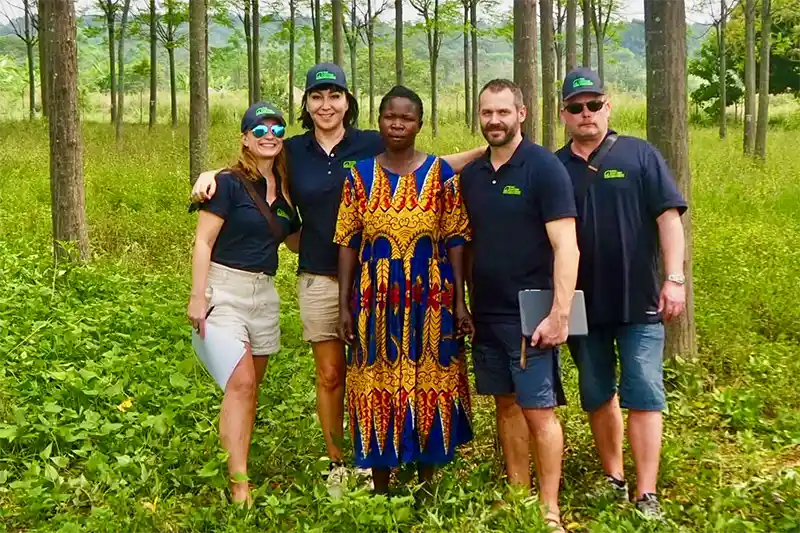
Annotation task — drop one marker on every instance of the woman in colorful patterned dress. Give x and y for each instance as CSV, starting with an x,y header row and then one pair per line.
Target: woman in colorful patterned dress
x,y
401,231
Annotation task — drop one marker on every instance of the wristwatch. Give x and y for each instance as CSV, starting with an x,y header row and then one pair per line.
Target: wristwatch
x,y
680,279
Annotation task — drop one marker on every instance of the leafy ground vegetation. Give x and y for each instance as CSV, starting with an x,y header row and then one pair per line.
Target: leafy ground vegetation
x,y
108,422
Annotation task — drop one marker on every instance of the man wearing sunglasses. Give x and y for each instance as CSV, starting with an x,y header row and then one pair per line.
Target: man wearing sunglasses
x,y
628,208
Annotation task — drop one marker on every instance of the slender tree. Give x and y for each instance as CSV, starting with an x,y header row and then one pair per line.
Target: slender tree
x,y
316,22
351,36
198,86
602,10
559,20
256,53
27,34
58,27
292,18
763,79
44,75
473,23
667,129
121,84
571,40
525,62
109,9
398,41
374,10
586,59
338,37
548,75
172,38
750,76
466,61
153,64
430,13
723,71
248,37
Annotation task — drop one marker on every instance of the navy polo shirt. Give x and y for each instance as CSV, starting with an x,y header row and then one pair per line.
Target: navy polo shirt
x,y
246,241
316,184
508,210
618,232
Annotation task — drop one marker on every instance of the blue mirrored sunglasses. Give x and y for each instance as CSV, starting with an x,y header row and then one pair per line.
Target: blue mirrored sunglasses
x,y
261,130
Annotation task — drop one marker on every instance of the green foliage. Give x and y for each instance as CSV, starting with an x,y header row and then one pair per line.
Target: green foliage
x,y
108,423
706,67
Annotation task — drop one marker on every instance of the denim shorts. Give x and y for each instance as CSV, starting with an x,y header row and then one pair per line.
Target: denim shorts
x,y
640,348
496,354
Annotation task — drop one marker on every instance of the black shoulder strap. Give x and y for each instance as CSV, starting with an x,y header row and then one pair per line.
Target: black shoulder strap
x,y
262,206
595,162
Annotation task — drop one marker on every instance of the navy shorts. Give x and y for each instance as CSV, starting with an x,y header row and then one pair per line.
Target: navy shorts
x,y
496,351
641,360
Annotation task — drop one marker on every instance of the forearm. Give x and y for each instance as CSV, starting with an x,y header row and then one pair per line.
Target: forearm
x,y
468,261
455,255
460,160
670,234
565,276
292,242
348,260
201,262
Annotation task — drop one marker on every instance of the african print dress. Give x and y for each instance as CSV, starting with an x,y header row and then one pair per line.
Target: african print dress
x,y
407,388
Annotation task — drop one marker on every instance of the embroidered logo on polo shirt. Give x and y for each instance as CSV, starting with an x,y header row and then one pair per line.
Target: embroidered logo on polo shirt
x,y
348,164
512,190
325,75
284,214
613,174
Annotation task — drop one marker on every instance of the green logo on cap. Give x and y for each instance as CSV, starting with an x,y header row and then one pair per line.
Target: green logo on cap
x,y
582,82
264,111
325,75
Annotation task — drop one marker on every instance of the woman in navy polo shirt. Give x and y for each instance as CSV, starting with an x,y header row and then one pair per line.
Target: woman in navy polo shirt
x,y
319,162
234,306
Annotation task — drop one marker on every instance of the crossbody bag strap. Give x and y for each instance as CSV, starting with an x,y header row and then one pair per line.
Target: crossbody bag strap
x,y
594,163
262,206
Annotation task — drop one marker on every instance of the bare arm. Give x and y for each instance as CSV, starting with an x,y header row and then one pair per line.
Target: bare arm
x,y
348,261
460,160
292,242
208,227
554,329
672,300
205,186
468,262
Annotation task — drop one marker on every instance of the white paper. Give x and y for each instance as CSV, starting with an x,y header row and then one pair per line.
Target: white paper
x,y
220,352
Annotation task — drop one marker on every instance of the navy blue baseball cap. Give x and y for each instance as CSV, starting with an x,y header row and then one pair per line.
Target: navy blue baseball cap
x,y
258,112
326,74
581,81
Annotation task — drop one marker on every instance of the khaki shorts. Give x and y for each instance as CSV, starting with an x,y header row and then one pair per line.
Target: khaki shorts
x,y
247,304
319,307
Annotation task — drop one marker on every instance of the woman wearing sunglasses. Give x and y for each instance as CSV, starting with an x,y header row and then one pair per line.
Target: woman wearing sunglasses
x,y
234,306
319,161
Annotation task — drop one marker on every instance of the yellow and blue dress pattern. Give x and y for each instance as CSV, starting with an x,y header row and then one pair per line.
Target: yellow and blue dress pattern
x,y
407,389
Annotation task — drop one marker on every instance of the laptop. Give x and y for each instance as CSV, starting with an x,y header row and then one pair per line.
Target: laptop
x,y
535,305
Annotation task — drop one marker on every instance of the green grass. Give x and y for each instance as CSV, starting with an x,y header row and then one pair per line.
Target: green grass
x,y
77,342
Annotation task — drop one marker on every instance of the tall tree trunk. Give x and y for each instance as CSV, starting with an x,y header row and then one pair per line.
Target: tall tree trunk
x,y
292,17
44,75
338,37
473,20
29,52
371,50
572,37
601,58
256,52
112,63
121,84
667,125
763,80
198,81
398,41
586,59
153,65
173,88
526,67
248,37
435,70
316,20
723,71
548,75
467,97
750,76
352,41
58,27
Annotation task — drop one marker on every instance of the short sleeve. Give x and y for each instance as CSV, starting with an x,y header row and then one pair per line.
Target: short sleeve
x,y
454,224
556,195
350,222
220,203
376,142
661,191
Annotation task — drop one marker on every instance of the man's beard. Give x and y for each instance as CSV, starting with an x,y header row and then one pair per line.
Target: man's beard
x,y
510,133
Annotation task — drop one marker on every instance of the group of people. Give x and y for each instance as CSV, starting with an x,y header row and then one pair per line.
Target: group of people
x,y
392,244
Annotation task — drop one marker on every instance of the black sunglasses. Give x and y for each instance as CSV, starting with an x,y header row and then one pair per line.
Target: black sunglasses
x,y
592,105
